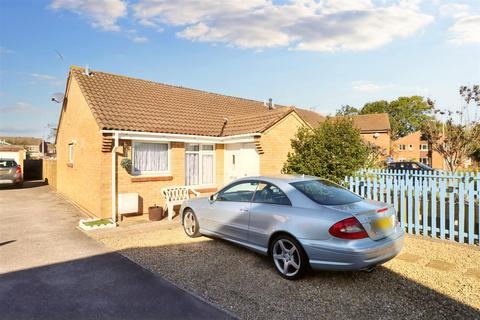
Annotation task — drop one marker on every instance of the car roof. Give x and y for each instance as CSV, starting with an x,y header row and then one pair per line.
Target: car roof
x,y
282,178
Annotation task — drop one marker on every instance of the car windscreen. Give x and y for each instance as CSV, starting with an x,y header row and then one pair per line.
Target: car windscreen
x,y
7,164
325,192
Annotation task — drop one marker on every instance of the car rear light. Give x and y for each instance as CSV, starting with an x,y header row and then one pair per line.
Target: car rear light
x,y
382,210
349,228
19,169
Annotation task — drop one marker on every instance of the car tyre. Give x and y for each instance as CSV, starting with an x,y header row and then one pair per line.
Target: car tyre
x,y
288,257
190,223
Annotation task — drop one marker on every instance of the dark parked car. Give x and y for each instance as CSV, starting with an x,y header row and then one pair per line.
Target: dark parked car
x,y
409,165
10,172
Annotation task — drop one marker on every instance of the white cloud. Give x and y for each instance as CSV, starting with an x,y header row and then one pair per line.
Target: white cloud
x,y
140,39
4,50
466,30
326,25
368,87
18,107
455,10
101,13
47,78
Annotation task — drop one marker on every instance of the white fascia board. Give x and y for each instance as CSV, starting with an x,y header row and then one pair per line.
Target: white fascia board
x,y
170,137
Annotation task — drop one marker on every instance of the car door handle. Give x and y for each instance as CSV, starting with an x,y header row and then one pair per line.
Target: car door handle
x,y
244,210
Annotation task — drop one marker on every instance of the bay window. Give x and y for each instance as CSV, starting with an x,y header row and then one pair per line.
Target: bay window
x,y
199,164
150,158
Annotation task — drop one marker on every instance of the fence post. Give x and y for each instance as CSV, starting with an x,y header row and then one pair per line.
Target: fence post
x,y
442,209
425,208
374,189
417,207
403,211
433,209
409,205
451,213
461,211
471,212
395,196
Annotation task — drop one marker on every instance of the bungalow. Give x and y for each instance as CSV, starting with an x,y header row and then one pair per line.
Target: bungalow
x,y
119,135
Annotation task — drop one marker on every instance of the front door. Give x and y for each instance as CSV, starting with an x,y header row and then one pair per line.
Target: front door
x,y
241,160
228,214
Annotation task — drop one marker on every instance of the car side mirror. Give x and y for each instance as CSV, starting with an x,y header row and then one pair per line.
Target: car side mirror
x,y
212,197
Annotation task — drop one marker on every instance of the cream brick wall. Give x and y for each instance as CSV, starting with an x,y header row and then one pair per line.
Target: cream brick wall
x,y
275,143
80,182
383,141
150,191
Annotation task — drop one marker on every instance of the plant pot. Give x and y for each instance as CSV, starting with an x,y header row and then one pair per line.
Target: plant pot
x,y
155,213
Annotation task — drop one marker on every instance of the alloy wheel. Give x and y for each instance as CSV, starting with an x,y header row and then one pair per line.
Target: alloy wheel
x,y
286,257
189,223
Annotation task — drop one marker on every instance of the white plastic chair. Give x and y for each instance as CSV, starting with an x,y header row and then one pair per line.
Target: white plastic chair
x,y
175,196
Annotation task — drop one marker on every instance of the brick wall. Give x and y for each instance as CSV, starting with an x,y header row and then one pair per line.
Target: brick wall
x,y
81,180
50,172
275,143
149,188
382,140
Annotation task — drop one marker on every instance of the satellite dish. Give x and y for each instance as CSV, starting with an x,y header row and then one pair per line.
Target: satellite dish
x,y
58,97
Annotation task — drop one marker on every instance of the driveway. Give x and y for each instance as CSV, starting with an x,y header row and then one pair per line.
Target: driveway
x,y
51,270
430,279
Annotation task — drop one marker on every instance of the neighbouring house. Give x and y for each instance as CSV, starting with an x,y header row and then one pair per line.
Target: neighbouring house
x,y
31,145
13,152
414,147
374,128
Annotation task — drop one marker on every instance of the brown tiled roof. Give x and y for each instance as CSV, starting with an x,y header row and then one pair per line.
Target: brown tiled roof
x,y
372,122
7,148
124,103
22,140
311,117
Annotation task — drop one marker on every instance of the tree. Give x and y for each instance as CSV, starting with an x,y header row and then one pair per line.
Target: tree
x,y
407,114
333,150
347,110
454,142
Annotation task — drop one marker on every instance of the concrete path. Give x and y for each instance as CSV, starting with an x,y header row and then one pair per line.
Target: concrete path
x,y
51,270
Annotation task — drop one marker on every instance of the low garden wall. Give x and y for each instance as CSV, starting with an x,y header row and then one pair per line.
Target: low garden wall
x,y
49,173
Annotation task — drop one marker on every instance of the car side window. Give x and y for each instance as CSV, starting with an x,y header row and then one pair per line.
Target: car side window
x,y
239,192
415,166
269,193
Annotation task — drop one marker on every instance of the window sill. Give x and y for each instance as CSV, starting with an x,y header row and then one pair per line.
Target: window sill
x,y
151,178
205,189
70,165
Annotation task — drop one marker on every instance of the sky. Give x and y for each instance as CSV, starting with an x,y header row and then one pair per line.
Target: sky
x,y
312,54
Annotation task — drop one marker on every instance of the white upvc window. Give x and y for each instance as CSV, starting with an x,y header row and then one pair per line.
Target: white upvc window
x,y
424,147
401,147
410,147
70,152
199,164
151,158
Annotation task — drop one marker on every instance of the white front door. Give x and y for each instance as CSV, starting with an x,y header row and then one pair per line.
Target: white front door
x,y
241,160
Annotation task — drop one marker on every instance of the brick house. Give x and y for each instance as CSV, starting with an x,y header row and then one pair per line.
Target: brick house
x,y
172,135
414,147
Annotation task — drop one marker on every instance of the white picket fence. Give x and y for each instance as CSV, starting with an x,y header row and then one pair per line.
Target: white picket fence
x,y
436,205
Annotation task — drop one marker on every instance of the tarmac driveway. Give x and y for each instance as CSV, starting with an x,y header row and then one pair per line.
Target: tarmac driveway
x,y
51,270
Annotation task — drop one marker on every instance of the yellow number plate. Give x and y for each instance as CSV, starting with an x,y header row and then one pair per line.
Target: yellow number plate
x,y
384,223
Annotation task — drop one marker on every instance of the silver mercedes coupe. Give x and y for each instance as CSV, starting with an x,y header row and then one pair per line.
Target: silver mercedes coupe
x,y
299,221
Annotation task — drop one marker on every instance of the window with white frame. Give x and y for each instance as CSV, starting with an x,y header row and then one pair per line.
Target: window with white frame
x,y
401,147
424,161
424,147
150,158
70,152
410,147
199,164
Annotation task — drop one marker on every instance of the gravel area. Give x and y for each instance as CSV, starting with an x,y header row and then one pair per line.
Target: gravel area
x,y
430,279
